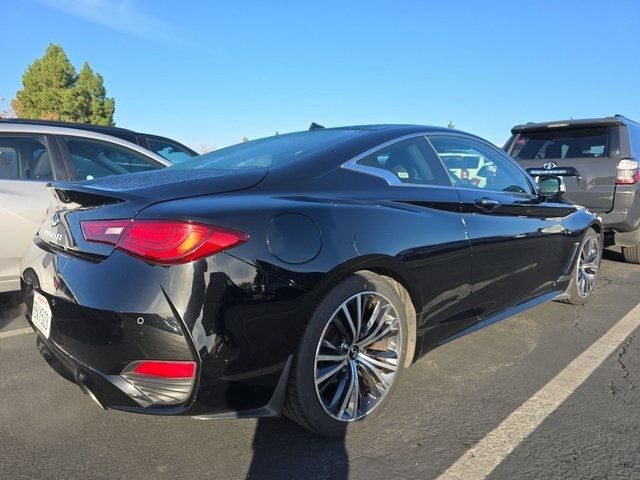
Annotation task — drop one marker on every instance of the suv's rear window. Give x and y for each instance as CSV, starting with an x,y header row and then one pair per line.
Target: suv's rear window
x,y
562,143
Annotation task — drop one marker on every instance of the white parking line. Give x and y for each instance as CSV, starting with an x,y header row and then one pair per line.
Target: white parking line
x,y
13,333
481,460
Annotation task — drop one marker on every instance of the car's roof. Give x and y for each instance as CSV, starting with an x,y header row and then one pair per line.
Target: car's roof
x,y
409,128
59,123
582,122
395,130
25,127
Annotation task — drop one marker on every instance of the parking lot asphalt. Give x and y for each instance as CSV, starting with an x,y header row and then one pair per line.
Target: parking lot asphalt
x,y
444,406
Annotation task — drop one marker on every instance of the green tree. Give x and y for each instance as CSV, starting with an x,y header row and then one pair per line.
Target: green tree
x,y
451,124
52,90
88,99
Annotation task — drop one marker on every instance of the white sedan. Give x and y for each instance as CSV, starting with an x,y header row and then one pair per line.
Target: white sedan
x,y
32,156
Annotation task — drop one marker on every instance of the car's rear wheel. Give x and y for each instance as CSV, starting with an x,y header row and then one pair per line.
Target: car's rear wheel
x,y
350,355
585,271
631,254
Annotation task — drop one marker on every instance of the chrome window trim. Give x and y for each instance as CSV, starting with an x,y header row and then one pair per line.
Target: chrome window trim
x,y
394,181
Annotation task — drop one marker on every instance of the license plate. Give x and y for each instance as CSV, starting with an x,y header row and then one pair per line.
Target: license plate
x,y
41,314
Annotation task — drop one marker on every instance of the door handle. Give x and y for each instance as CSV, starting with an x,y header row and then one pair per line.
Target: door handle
x,y
486,204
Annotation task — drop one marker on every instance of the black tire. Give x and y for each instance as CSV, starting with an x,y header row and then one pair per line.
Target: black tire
x,y
573,295
303,405
631,254
30,280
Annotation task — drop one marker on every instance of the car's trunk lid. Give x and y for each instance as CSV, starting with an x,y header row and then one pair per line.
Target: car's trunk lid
x,y
590,182
123,196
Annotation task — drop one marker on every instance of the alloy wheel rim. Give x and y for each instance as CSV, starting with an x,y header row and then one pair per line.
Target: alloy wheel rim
x,y
588,265
357,356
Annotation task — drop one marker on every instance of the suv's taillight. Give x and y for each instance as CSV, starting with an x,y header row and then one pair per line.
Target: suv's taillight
x,y
628,172
166,242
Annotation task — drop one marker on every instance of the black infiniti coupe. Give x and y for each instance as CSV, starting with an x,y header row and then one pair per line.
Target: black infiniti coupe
x,y
298,273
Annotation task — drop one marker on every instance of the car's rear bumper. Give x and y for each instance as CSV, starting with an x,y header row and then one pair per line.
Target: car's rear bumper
x,y
9,284
91,348
625,215
241,336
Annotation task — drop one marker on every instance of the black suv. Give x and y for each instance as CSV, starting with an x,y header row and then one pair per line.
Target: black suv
x,y
173,151
598,159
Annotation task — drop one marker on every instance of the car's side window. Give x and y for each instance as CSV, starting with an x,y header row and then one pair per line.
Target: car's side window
x,y
411,161
24,158
169,150
473,164
92,159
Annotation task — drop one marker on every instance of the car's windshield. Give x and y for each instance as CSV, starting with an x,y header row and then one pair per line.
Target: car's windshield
x,y
266,152
562,143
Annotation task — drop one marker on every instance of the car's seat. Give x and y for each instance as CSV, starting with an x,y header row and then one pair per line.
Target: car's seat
x,y
42,167
9,169
575,151
402,164
553,151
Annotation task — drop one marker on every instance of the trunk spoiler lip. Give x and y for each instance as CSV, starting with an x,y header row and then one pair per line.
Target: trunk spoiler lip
x,y
139,194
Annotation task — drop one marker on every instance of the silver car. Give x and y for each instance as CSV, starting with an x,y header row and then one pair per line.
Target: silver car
x,y
33,155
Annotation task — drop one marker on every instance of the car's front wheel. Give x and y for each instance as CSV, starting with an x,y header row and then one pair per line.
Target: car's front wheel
x,y
350,355
585,271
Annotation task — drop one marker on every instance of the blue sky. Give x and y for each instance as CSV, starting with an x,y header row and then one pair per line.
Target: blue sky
x,y
209,72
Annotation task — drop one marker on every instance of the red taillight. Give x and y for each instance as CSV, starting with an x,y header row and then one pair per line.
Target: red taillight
x,y
627,172
154,368
163,241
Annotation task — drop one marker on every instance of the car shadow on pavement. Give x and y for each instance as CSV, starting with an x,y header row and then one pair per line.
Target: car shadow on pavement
x,y
613,254
283,450
10,305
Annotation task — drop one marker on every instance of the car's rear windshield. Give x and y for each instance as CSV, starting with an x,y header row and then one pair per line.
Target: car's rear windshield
x,y
562,143
266,152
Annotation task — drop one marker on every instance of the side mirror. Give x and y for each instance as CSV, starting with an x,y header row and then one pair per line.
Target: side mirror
x,y
551,186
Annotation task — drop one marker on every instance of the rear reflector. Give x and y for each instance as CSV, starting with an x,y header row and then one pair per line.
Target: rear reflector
x,y
164,242
160,383
627,172
165,369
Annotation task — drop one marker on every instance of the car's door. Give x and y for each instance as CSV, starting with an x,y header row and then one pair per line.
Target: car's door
x,y
518,242
426,231
585,156
27,164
